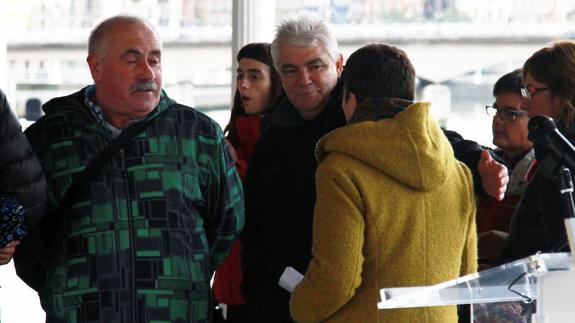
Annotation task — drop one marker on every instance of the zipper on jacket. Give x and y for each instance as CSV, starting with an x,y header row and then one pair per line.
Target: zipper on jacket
x,y
132,238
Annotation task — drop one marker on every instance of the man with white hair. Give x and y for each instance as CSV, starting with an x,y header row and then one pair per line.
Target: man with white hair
x,y
280,191
144,198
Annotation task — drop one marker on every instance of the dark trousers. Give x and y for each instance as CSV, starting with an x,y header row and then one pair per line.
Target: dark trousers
x,y
234,314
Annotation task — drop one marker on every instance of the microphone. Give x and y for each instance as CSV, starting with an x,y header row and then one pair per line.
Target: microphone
x,y
543,131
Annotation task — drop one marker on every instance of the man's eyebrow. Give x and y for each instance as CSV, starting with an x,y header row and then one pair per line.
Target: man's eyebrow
x,y
315,61
131,51
289,66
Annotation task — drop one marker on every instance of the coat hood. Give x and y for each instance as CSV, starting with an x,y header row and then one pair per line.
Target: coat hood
x,y
409,147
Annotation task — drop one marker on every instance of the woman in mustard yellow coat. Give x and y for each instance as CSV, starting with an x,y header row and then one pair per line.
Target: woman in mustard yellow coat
x,y
394,207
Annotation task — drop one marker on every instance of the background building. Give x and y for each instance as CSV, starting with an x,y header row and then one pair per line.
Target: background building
x,y
458,47
45,40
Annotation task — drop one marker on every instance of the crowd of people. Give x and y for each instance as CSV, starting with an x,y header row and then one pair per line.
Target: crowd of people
x,y
133,201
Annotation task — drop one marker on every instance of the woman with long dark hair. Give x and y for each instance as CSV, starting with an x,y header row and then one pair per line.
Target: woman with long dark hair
x,y
258,89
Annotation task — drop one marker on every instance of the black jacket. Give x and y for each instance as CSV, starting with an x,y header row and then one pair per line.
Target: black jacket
x,y
538,221
20,173
280,196
469,153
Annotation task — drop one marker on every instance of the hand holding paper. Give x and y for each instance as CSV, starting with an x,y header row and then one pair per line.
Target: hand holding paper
x,y
290,279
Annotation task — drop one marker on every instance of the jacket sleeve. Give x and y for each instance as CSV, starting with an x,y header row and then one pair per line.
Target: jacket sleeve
x,y
29,259
335,270
20,172
469,153
225,203
251,257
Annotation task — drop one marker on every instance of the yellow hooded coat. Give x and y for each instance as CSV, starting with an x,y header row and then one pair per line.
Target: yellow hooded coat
x,y
394,208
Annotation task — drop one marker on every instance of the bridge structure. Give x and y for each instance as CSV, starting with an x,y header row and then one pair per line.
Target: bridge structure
x,y
199,60
200,72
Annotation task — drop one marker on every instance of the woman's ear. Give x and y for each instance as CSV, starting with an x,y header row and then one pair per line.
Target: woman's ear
x,y
348,104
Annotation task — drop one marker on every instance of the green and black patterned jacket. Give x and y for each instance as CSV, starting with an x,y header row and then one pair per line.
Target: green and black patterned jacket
x,y
142,244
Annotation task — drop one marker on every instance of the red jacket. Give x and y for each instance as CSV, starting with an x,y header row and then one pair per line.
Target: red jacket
x,y
248,132
496,215
228,276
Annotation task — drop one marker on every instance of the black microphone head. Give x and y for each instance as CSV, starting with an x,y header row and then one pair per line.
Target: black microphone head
x,y
540,125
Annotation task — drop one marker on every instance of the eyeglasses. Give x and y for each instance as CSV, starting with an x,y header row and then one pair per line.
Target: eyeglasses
x,y
508,114
529,92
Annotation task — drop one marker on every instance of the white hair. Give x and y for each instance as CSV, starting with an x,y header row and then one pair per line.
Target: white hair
x,y
304,31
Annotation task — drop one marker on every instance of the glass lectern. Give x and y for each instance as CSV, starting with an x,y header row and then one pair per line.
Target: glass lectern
x,y
520,280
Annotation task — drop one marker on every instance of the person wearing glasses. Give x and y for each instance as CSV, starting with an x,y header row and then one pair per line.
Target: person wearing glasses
x,y
516,151
537,225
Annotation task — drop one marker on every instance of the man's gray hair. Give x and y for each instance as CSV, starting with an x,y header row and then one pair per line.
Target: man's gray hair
x,y
96,44
304,31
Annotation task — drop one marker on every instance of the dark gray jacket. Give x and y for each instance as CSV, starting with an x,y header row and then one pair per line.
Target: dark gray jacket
x,y
20,173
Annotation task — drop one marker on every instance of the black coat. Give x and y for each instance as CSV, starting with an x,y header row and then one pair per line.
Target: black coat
x,y
538,221
280,197
20,172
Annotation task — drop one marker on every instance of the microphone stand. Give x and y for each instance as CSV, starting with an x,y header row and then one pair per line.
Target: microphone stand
x,y
566,189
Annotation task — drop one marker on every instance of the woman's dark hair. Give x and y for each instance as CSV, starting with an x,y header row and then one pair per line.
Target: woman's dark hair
x,y
511,82
554,66
260,52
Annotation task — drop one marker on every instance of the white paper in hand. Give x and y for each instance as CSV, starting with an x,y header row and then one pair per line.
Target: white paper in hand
x,y
289,279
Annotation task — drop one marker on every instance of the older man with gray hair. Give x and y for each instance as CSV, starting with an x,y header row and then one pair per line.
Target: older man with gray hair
x,y
280,192
280,189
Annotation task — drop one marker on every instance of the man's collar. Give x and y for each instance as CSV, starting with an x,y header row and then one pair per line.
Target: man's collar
x,y
98,112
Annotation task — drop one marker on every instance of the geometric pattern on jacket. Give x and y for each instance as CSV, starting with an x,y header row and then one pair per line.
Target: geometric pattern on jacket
x,y
160,216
